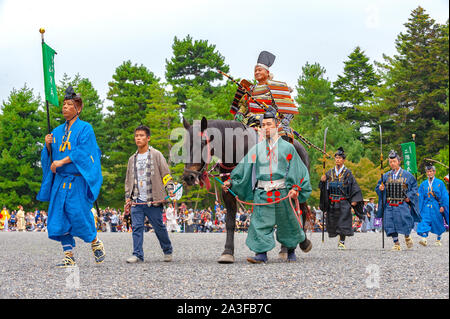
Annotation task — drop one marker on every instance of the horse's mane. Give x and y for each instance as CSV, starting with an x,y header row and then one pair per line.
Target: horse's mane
x,y
223,124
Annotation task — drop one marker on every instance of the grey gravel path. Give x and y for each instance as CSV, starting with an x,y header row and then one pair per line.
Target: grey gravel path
x,y
27,269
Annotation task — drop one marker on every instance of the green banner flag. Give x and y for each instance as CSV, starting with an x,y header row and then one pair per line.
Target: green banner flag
x,y
49,74
409,157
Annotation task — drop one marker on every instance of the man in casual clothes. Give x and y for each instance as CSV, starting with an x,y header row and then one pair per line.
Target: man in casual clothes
x,y
369,210
147,179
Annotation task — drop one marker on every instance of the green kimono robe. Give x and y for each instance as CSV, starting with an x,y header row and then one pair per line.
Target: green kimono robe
x,y
265,163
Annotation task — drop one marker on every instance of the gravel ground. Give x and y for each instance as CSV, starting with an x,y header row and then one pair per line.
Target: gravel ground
x,y
27,269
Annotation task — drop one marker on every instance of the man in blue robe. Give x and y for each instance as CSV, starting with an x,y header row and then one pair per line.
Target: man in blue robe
x,y
433,203
71,181
398,202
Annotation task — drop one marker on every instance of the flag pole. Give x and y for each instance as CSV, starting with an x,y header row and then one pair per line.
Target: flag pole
x,y
414,140
42,31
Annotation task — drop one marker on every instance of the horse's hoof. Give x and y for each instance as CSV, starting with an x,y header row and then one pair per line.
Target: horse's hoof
x,y
283,255
306,246
226,259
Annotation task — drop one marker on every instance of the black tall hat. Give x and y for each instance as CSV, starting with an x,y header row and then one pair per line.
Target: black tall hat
x,y
340,152
70,93
393,154
430,166
265,59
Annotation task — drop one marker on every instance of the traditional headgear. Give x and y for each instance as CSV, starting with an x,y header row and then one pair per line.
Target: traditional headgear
x,y
255,120
269,115
429,166
394,154
70,93
265,60
340,152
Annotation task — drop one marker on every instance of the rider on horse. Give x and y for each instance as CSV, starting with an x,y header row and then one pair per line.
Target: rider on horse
x,y
275,94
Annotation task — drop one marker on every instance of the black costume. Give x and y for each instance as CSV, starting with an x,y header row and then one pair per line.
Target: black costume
x,y
336,196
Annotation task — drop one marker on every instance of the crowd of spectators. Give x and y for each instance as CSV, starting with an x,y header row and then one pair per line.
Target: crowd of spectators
x,y
188,220
19,220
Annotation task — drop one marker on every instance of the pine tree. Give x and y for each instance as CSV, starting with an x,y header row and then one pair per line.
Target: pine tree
x,y
315,98
130,92
354,87
92,106
415,83
22,133
194,64
162,117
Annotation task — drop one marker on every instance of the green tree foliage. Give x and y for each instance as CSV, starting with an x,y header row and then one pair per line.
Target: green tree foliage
x,y
216,106
162,117
92,106
316,112
443,157
340,134
314,98
414,86
354,87
22,131
130,92
194,64
366,173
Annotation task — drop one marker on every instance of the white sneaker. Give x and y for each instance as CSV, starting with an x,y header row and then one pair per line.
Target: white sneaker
x,y
133,260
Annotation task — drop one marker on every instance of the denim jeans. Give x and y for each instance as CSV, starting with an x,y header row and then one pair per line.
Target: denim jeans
x,y
154,215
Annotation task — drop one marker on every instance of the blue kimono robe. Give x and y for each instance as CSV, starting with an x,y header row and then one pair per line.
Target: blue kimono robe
x,y
432,219
75,186
399,219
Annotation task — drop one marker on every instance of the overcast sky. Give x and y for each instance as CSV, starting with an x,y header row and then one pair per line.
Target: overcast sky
x,y
93,37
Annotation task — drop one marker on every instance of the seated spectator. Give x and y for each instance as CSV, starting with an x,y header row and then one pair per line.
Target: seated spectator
x,y
39,225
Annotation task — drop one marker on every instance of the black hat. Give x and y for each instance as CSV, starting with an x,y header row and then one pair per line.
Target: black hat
x,y
266,59
430,166
70,93
394,154
269,115
340,152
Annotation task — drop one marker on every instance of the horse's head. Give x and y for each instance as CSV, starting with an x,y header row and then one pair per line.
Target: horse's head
x,y
195,163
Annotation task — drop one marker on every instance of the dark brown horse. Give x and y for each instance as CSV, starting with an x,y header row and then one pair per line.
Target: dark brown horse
x,y
229,141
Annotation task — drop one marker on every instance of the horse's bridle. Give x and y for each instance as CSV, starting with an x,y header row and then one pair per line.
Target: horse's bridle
x,y
204,164
203,172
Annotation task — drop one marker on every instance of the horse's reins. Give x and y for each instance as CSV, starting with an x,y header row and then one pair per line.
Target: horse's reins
x,y
297,203
206,174
130,204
